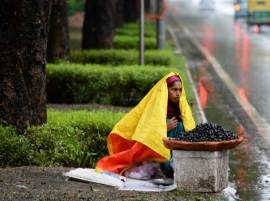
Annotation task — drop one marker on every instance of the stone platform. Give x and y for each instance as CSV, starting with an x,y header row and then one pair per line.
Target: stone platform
x,y
201,171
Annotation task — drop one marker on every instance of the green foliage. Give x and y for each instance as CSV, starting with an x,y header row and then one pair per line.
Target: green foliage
x,y
132,42
75,6
135,33
148,26
124,86
73,138
132,29
120,57
127,37
55,145
70,138
14,149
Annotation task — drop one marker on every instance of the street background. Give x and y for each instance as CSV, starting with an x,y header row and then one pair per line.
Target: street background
x,y
229,63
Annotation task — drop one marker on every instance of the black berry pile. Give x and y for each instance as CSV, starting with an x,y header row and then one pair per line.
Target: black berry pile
x,y
207,132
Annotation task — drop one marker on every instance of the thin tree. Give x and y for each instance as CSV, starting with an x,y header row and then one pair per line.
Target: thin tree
x,y
23,44
98,26
58,41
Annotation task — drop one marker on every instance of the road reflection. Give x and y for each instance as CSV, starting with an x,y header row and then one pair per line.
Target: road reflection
x,y
242,44
204,86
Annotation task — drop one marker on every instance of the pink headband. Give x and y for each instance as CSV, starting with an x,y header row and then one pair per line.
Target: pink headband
x,y
172,79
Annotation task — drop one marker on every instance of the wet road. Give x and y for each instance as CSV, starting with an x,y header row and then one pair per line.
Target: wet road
x,y
231,72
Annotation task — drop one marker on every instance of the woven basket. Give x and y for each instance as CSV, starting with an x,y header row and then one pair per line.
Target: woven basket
x,y
202,146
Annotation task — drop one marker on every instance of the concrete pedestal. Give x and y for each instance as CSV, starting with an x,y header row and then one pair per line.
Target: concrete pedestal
x,y
201,171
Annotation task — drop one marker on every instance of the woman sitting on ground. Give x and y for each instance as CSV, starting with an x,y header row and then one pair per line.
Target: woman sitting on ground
x,y
136,141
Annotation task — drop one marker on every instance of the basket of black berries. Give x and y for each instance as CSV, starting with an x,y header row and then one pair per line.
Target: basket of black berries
x,y
205,137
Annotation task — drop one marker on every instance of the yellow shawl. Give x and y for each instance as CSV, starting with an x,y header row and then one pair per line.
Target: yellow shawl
x,y
146,123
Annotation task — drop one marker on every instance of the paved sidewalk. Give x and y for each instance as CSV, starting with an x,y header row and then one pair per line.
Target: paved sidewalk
x,y
31,183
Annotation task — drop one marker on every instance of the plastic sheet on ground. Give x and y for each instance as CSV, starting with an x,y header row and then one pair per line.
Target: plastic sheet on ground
x,y
230,193
120,182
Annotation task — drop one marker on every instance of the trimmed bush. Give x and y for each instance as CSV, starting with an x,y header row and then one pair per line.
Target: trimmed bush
x,y
127,37
135,33
148,26
70,138
119,57
14,149
124,86
132,42
132,29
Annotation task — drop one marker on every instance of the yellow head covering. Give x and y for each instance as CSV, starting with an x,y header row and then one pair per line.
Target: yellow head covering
x,y
146,123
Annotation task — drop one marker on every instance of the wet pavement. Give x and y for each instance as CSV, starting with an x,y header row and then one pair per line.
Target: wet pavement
x,y
231,75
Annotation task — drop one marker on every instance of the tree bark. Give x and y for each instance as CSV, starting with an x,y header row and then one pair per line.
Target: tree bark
x,y
23,43
118,13
58,39
131,10
98,26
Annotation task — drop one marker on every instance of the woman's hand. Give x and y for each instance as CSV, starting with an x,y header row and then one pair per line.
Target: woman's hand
x,y
171,123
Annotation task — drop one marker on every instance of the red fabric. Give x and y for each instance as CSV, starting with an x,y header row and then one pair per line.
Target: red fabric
x,y
122,160
120,144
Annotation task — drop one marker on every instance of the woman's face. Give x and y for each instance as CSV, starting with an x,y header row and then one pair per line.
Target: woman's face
x,y
174,92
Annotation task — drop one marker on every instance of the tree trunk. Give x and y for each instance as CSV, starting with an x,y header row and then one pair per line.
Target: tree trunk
x,y
118,12
98,26
58,39
23,43
131,10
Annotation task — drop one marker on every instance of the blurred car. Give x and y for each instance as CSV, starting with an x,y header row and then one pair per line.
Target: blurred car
x,y
240,8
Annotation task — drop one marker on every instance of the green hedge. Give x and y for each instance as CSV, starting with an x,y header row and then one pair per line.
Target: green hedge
x,y
127,37
119,57
135,33
132,29
148,26
70,138
132,42
124,86
14,149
